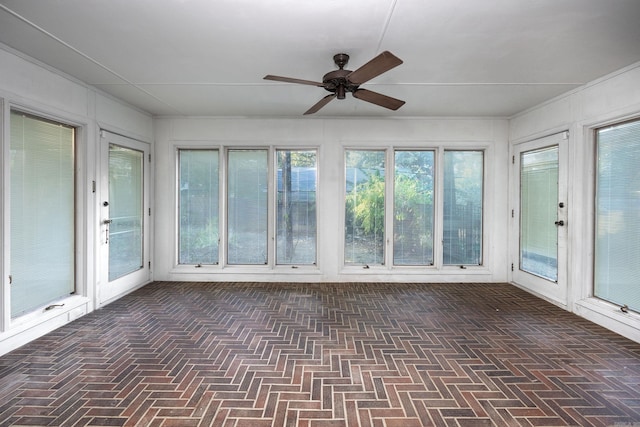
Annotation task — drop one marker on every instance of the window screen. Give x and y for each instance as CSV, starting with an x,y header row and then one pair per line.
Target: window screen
x,y
198,206
296,207
462,239
247,207
364,207
413,208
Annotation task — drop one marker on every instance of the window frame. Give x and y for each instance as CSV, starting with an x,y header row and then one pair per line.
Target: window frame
x,y
273,203
483,204
591,292
384,263
85,234
438,265
270,256
434,200
73,208
221,231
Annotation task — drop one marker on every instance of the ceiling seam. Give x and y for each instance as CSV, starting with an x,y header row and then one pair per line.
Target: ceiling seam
x,y
368,84
386,25
84,55
488,84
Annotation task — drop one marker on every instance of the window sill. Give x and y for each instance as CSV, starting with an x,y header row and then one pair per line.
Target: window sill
x,y
40,321
610,316
415,270
244,269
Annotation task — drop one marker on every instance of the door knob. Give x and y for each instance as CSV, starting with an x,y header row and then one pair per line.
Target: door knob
x,y
559,223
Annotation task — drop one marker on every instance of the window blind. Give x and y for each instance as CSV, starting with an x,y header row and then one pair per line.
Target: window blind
x,y
42,223
617,234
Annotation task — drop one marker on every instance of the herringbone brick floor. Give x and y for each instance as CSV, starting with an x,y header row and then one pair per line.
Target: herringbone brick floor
x,y
321,355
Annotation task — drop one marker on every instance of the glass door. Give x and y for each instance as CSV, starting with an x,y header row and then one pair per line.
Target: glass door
x,y
540,214
124,222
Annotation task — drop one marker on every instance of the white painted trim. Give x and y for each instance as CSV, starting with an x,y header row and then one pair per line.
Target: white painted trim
x,y
610,317
5,226
40,322
551,300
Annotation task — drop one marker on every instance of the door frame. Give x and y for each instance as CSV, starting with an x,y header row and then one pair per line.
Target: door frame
x,y
556,292
108,291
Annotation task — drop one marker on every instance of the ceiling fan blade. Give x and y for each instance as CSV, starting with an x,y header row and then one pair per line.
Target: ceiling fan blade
x,y
318,105
378,65
292,80
378,99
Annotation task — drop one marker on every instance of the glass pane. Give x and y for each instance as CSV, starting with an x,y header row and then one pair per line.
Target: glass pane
x,y
462,239
617,248
125,211
413,208
364,207
296,216
247,207
42,212
538,212
198,207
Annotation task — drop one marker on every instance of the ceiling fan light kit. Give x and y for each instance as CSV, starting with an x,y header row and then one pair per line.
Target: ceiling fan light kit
x,y
341,81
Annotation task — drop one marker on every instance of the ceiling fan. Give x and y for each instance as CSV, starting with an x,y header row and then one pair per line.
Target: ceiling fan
x,y
341,81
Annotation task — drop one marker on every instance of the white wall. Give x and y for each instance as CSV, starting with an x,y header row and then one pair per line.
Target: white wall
x,y
331,137
33,87
608,100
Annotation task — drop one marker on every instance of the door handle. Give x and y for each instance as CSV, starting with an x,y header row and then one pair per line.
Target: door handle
x,y
559,223
107,223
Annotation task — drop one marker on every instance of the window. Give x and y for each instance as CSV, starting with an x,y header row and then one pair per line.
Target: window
x,y
539,211
462,204
198,207
364,207
270,213
42,214
126,194
617,228
247,188
248,200
296,207
413,208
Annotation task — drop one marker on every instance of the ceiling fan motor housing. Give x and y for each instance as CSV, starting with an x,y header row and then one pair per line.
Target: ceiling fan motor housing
x,y
336,81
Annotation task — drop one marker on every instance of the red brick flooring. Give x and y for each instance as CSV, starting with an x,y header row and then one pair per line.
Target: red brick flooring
x,y
321,355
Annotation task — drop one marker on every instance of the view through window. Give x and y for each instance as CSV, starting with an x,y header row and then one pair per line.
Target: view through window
x,y
405,224
463,186
296,207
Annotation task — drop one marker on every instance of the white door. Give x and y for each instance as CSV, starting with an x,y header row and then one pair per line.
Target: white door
x,y
124,220
539,216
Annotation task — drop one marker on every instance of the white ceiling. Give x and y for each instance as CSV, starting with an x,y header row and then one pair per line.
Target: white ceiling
x,y
208,57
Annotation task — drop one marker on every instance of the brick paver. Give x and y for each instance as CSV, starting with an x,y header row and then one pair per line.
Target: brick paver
x,y
324,355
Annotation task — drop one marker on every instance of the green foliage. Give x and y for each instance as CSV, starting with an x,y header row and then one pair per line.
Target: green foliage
x,y
303,159
365,203
410,198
